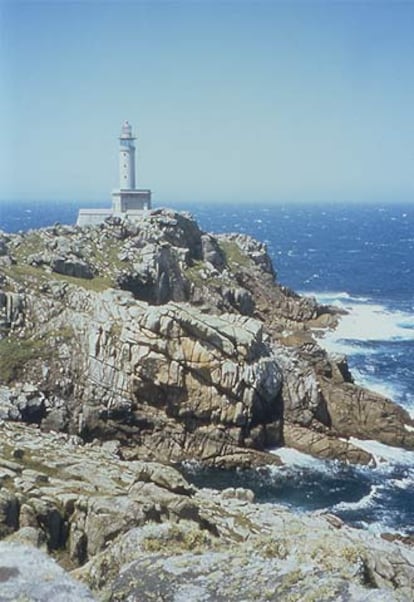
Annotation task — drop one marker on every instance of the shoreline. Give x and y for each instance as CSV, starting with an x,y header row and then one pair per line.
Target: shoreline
x,y
156,342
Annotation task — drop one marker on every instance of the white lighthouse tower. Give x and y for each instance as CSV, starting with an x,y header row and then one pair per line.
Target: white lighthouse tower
x,y
126,158
127,201
128,198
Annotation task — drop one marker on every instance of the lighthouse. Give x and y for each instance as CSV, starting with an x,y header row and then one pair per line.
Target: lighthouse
x,y
126,158
127,201
128,198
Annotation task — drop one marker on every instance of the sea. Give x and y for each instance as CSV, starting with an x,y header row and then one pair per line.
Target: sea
x,y
358,257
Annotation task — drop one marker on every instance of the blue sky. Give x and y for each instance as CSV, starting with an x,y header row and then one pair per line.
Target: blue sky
x,y
236,101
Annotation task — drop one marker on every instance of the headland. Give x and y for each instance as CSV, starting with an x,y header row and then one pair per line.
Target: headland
x,y
129,347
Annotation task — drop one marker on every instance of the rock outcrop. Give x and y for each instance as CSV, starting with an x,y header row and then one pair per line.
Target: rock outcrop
x,y
74,498
29,574
127,349
132,530
259,552
178,344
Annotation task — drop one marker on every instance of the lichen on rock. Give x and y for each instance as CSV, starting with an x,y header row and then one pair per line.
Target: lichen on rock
x,y
198,341
129,347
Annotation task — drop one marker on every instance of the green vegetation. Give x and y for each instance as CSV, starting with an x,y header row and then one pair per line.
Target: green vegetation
x,y
27,460
15,353
32,243
193,273
179,540
273,548
234,254
107,258
115,329
97,284
104,258
64,333
24,273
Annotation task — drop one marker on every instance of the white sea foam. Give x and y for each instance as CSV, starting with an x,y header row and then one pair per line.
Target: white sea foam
x,y
381,526
293,457
365,502
374,384
385,456
385,453
371,322
404,483
334,297
360,330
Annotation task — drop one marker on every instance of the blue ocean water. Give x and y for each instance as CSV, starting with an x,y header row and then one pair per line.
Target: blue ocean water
x,y
359,257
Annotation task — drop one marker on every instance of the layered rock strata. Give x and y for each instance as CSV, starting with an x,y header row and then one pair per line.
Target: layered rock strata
x,y
127,347
132,530
177,343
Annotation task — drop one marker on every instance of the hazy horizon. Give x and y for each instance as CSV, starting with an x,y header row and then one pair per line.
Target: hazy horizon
x,y
232,102
186,203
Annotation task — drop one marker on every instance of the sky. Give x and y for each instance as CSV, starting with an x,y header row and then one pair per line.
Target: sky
x,y
238,101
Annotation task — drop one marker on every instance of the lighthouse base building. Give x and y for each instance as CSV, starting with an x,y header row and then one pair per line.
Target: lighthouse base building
x,y
127,202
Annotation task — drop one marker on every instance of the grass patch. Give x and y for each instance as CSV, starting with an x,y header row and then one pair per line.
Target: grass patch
x,y
193,273
63,333
16,353
24,273
106,257
32,243
273,548
234,254
97,284
28,461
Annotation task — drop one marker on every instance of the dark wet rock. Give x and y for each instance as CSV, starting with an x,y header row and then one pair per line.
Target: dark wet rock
x,y
212,252
3,247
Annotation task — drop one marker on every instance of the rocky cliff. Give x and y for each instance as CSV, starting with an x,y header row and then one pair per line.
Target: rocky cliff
x,y
176,343
124,346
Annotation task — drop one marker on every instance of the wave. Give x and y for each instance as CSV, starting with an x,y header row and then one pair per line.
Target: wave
x,y
294,458
365,335
334,297
368,321
386,457
386,389
404,483
385,453
365,502
396,390
377,499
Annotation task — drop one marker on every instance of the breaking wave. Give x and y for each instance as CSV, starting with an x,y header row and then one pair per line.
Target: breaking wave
x,y
378,340
377,335
378,499
365,321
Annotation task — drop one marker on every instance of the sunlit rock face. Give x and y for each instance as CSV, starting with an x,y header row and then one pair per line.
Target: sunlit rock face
x,y
177,343
129,347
